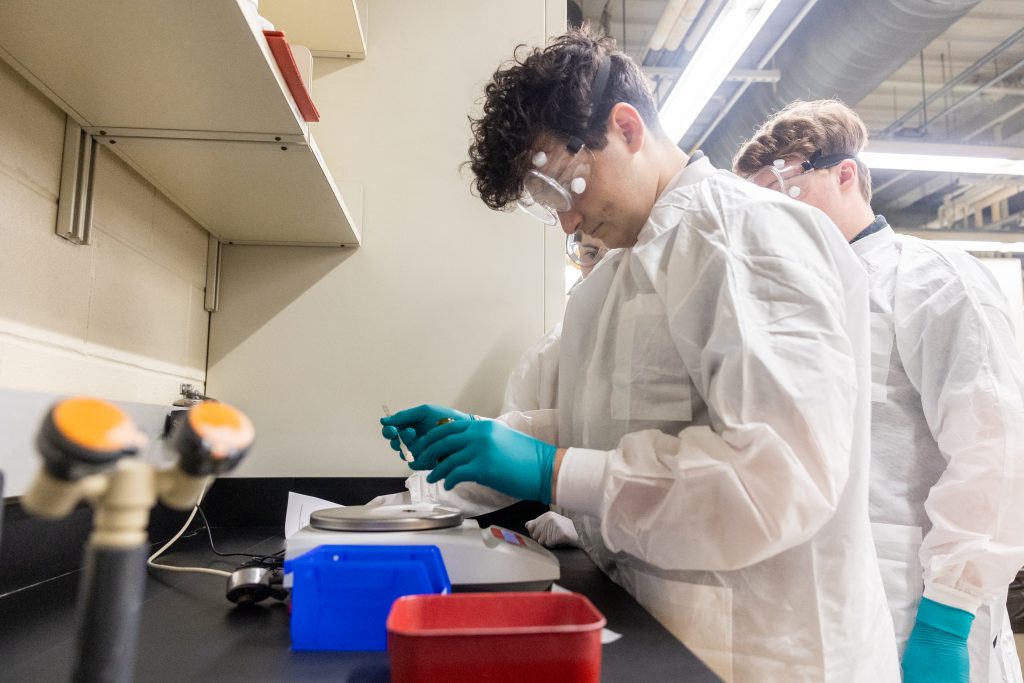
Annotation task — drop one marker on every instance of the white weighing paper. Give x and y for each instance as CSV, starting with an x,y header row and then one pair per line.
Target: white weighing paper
x,y
300,507
607,635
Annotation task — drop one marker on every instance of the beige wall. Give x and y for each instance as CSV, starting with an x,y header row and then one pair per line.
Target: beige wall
x,y
121,318
443,295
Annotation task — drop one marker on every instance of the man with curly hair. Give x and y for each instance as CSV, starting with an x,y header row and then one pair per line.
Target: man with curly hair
x,y
947,421
711,432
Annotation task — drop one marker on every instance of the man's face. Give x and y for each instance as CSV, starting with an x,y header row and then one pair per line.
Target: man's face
x,y
604,209
817,187
591,251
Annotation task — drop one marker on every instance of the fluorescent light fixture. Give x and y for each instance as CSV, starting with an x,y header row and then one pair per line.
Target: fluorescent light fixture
x,y
970,240
726,41
943,163
976,245
944,158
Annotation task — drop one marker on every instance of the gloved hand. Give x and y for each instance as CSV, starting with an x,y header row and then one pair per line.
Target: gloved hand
x,y
937,649
552,530
415,422
490,453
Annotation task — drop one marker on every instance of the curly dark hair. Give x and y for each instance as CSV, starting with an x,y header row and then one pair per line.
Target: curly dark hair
x,y
549,91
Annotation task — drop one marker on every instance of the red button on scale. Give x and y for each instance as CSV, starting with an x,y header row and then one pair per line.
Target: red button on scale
x,y
507,536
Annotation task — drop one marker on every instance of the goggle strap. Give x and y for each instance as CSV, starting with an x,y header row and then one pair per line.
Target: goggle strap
x,y
818,160
809,164
597,89
604,69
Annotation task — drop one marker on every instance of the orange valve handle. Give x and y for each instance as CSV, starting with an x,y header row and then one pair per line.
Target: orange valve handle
x,y
212,439
82,436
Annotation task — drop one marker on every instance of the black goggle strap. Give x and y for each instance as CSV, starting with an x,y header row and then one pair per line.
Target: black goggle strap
x,y
597,90
819,160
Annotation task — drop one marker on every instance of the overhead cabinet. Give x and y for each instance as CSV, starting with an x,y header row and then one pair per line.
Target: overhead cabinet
x,y
189,94
329,28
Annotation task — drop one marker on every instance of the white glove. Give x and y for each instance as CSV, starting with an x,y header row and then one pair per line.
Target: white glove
x,y
552,530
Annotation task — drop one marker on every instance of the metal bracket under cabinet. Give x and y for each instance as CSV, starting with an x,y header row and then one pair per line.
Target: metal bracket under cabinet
x,y
74,205
214,250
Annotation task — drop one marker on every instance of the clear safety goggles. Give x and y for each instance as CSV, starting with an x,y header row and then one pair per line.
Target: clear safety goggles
x,y
556,179
585,255
791,178
558,176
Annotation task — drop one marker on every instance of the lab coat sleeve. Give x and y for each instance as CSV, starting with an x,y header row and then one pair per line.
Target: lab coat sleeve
x,y
958,348
755,309
540,424
533,383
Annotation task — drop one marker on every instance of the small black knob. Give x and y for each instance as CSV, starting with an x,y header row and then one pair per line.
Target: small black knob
x,y
213,438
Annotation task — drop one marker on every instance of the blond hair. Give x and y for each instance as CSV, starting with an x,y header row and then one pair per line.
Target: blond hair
x,y
802,128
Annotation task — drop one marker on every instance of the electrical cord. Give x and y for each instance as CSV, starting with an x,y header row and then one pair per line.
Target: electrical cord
x,y
185,570
254,560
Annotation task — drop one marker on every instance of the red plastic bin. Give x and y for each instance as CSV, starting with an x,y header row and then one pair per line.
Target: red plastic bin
x,y
476,637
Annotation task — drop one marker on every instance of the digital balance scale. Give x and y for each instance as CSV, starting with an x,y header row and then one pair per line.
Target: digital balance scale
x,y
491,559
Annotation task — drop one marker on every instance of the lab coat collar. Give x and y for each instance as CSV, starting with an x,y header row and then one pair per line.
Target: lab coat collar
x,y
876,240
691,174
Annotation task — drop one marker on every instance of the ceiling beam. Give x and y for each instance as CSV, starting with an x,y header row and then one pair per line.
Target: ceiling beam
x,y
921,190
959,78
1012,126
963,88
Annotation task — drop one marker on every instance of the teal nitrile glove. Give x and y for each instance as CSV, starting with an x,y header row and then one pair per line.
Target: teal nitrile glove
x,y
415,422
937,649
490,453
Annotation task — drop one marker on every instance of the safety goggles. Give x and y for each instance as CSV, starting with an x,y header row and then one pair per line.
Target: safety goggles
x,y
791,178
584,255
558,176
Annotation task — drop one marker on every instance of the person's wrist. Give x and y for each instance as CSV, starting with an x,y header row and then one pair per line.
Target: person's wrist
x,y
547,464
555,467
950,620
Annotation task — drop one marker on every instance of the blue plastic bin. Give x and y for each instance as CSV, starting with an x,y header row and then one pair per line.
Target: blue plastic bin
x,y
341,594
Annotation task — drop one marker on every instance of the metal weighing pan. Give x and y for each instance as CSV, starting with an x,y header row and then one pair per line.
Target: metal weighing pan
x,y
384,518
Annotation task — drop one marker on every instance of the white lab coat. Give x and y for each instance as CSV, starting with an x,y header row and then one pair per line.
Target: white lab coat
x,y
947,440
533,383
714,392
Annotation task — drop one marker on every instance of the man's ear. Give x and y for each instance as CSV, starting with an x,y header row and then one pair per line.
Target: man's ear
x,y
625,122
848,174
